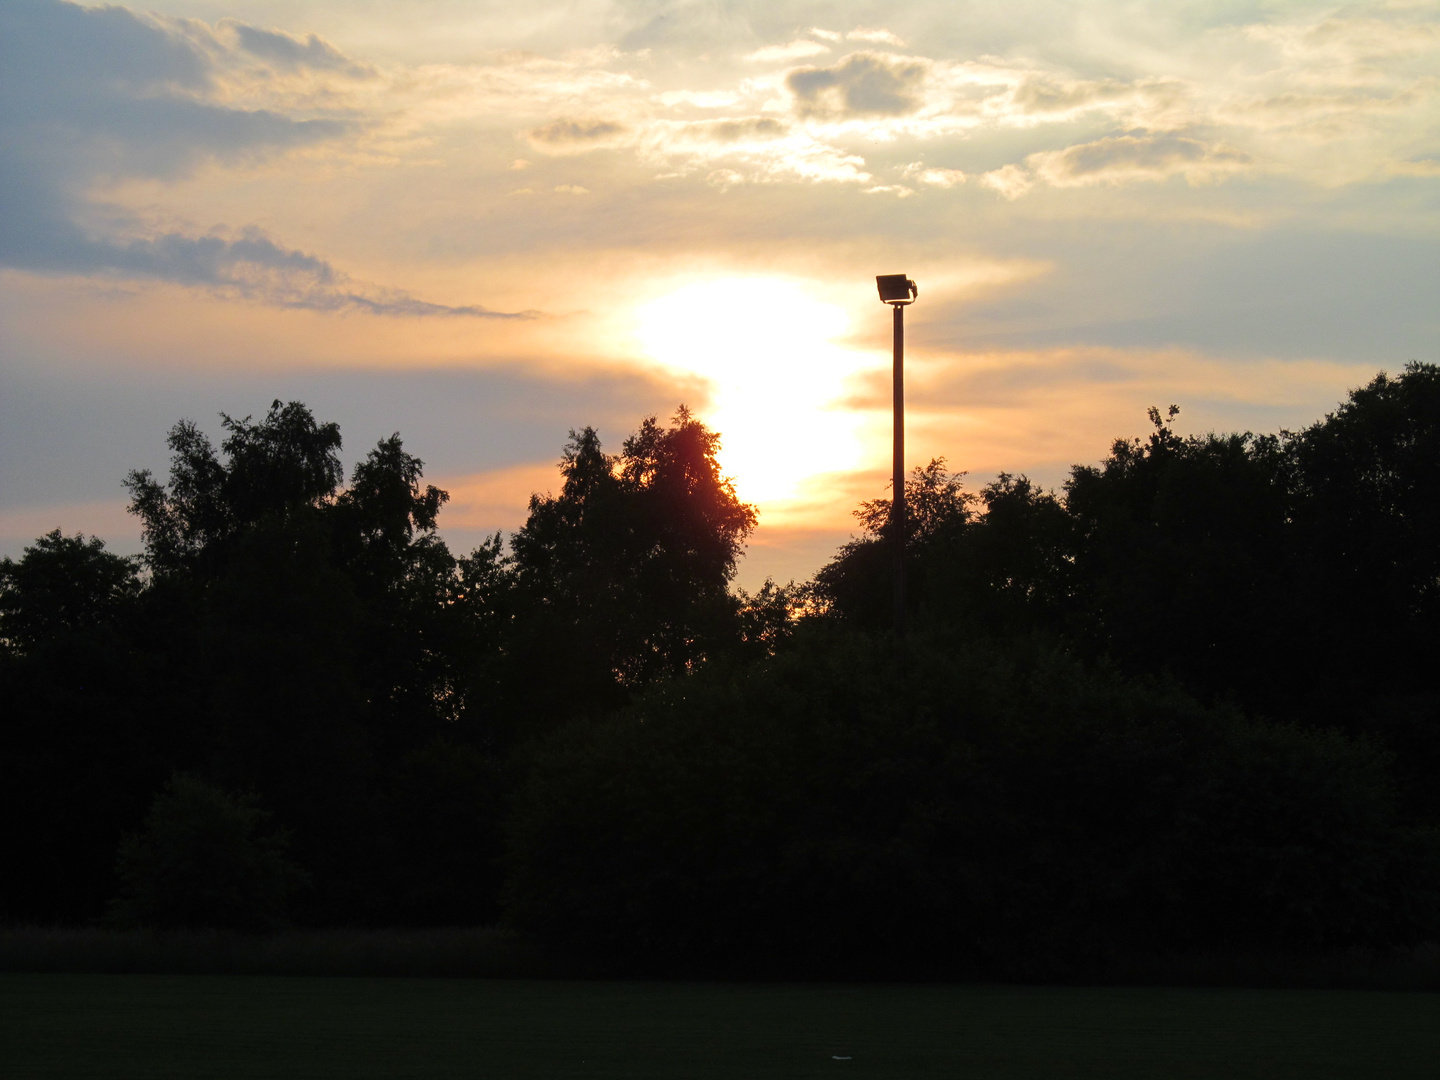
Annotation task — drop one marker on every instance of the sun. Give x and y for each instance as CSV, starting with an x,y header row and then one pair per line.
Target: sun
x,y
767,348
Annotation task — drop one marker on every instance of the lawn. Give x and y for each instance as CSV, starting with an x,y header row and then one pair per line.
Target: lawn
x,y
272,1028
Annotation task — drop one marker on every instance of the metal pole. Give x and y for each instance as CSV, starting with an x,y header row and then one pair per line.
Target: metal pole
x,y
897,502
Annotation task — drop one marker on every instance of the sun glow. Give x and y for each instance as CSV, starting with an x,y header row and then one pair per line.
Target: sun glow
x,y
767,348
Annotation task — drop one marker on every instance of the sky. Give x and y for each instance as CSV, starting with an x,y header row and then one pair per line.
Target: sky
x,y
484,225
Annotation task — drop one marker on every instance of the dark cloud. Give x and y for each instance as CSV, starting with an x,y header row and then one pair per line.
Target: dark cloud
x,y
749,127
52,53
94,95
863,84
288,53
251,266
566,132
1127,155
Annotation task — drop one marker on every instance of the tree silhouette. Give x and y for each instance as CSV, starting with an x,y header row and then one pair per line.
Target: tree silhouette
x,y
62,585
281,466
80,748
623,576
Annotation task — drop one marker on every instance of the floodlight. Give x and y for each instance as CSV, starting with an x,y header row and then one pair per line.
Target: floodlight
x,y
896,288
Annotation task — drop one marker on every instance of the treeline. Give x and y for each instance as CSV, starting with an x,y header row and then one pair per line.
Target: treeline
x,y
1185,704
305,663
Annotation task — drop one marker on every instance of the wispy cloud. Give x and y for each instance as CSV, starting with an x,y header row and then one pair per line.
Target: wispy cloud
x,y
570,135
94,96
795,50
291,53
879,35
1120,159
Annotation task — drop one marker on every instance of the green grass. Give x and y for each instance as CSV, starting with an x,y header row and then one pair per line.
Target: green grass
x,y
272,1028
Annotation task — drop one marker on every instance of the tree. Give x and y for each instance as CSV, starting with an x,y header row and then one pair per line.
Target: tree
x,y
78,745
858,583
1367,499
63,585
284,465
623,576
1008,569
318,633
1183,560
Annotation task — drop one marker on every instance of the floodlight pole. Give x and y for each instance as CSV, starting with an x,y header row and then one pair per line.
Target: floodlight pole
x,y
897,479
897,290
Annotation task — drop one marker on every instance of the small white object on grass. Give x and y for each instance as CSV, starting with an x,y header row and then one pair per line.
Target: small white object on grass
x,y
837,1057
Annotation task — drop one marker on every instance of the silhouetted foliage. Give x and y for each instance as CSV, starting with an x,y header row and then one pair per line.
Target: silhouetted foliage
x,y
1184,703
1181,560
1367,486
275,469
1292,574
319,645
623,576
988,810
204,859
62,587
77,756
858,583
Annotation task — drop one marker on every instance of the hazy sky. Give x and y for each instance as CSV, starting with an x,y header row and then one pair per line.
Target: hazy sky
x,y
484,224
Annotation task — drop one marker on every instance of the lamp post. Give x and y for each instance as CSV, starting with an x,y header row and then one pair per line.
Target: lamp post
x,y
897,290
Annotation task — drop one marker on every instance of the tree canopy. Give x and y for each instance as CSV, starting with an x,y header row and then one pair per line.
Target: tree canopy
x,y
1182,702
625,572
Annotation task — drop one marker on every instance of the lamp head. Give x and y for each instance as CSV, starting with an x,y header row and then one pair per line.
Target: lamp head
x,y
896,288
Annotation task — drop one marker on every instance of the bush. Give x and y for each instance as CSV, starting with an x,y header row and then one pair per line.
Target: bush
x,y
975,809
202,860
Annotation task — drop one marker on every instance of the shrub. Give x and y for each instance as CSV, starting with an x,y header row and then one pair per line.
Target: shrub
x,y
971,809
204,859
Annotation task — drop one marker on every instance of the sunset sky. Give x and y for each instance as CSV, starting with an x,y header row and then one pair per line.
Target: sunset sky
x,y
485,224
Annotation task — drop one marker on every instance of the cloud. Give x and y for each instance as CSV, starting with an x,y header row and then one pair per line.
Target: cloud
x,y
249,266
700,99
877,35
571,135
724,179
91,96
796,50
1010,181
755,149
1121,159
863,84
944,178
741,128
101,92
1048,96
289,53
1423,167
1349,41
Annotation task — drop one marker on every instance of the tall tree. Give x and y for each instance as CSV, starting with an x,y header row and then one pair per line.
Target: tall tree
x,y
277,468
623,576
79,751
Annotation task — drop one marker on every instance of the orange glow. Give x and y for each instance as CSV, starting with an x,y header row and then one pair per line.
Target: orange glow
x,y
767,349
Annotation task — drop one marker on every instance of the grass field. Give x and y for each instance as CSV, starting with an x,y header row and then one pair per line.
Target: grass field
x,y
272,1028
